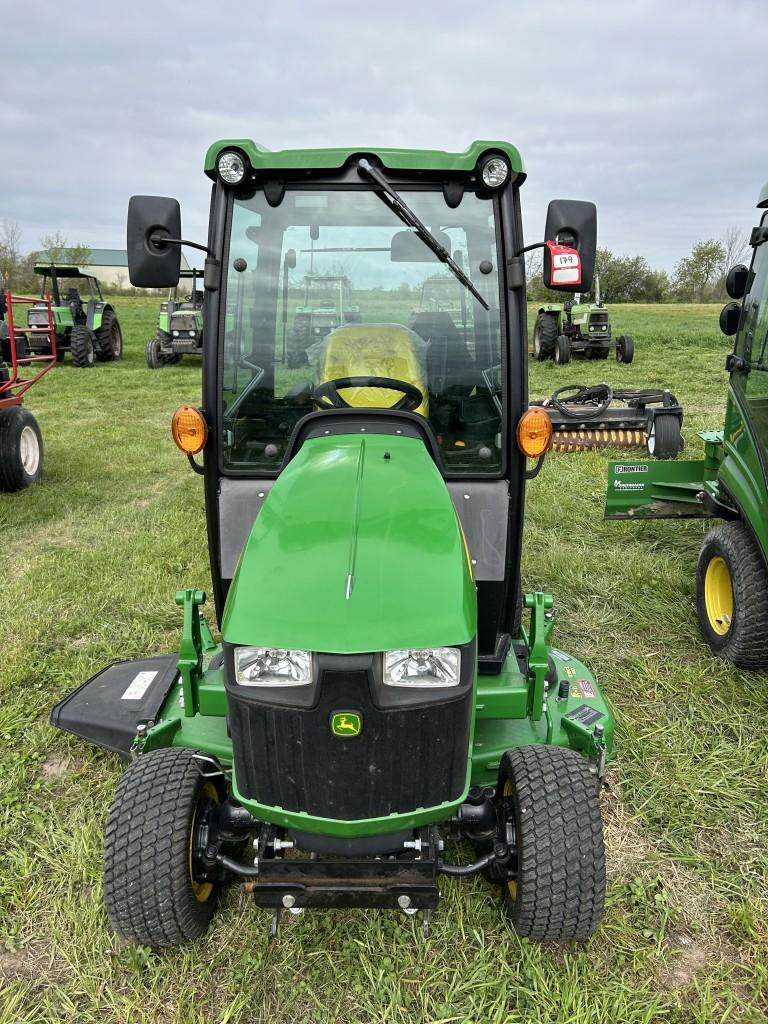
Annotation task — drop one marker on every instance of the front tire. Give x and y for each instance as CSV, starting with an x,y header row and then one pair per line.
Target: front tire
x,y
151,891
625,350
109,339
556,889
81,346
153,355
21,449
563,350
732,596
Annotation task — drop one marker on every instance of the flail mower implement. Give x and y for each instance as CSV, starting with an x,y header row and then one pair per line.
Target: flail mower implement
x,y
729,483
21,443
375,695
585,417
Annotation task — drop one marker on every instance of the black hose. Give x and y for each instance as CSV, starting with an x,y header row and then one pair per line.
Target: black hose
x,y
236,867
468,869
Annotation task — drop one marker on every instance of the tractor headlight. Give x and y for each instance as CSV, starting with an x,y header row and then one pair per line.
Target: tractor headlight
x,y
605,328
432,666
231,167
272,666
495,172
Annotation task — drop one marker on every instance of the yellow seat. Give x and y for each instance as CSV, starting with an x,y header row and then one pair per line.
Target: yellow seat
x,y
374,350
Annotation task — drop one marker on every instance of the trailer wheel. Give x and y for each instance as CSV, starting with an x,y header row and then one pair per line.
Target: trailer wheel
x,y
664,438
153,892
155,358
551,805
562,349
21,449
544,336
625,351
81,346
732,596
109,339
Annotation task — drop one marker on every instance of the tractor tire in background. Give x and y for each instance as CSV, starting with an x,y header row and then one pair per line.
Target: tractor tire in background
x,y
109,339
732,596
154,358
544,336
625,351
562,350
21,449
664,439
150,890
556,888
82,347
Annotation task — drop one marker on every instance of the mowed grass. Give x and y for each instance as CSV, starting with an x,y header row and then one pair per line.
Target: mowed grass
x,y
90,562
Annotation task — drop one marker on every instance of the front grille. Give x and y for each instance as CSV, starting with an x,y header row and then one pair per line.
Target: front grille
x,y
599,318
37,318
184,322
405,757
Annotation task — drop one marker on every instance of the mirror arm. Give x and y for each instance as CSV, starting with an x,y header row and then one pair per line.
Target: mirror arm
x,y
160,240
527,248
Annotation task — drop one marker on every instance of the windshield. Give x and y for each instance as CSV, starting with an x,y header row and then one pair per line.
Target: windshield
x,y
331,284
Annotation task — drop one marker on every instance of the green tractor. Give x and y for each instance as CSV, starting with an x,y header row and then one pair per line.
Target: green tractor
x,y
729,483
179,325
324,310
376,696
86,325
574,328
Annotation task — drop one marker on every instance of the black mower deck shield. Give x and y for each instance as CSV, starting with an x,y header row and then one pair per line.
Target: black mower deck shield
x,y
106,709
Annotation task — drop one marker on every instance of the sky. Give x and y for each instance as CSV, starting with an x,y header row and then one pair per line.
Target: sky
x,y
651,109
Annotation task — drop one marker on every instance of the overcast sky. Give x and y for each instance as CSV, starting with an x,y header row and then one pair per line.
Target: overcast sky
x,y
654,109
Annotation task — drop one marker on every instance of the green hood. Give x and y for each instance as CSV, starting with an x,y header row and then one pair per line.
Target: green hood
x,y
352,552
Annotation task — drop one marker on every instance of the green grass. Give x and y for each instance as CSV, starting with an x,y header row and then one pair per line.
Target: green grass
x,y
90,562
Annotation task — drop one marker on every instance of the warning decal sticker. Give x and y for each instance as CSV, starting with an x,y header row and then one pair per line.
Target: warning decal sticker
x,y
138,686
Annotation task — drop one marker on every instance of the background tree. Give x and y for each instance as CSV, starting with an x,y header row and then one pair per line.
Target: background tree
x,y
697,277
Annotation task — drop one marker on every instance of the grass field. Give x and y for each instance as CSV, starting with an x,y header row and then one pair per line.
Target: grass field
x,y
90,562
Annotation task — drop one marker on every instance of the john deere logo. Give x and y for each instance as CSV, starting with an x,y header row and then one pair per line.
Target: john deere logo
x,y
346,723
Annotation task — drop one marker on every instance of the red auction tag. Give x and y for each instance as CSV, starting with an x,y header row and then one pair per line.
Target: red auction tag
x,y
565,263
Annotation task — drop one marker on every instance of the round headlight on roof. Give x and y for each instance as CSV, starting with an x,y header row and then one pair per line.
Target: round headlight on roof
x,y
495,172
231,167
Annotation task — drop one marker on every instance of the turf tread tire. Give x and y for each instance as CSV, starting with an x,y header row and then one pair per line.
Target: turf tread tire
x,y
13,475
546,324
746,642
561,853
147,886
82,347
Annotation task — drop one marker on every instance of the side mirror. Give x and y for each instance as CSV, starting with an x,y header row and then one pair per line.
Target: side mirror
x,y
736,281
153,263
730,315
571,224
290,259
407,247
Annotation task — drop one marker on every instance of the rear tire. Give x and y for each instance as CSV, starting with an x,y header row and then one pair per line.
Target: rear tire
x,y
81,346
664,438
21,449
625,351
557,892
732,596
109,339
544,336
562,350
150,892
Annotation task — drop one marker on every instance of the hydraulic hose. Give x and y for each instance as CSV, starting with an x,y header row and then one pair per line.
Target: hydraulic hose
x,y
468,869
236,867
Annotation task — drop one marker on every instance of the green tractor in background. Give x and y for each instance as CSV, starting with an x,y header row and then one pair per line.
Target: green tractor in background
x,y
324,309
179,325
729,483
86,326
574,328
375,697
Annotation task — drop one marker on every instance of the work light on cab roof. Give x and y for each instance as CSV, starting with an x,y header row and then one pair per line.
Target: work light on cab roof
x,y
364,480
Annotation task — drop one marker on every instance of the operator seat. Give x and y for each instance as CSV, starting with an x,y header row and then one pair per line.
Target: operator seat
x,y
450,367
374,350
74,301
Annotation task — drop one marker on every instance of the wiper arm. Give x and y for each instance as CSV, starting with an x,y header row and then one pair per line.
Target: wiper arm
x,y
407,216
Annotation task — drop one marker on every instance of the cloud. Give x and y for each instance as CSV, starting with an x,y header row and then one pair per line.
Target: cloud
x,y
651,109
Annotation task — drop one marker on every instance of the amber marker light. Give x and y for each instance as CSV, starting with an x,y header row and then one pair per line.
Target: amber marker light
x,y
189,429
534,433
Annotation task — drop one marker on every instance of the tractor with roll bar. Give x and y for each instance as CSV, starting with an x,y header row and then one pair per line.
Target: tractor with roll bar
x,y
386,706
730,482
21,443
179,329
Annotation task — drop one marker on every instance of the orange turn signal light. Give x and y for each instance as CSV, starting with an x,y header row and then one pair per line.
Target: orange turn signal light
x,y
189,429
534,433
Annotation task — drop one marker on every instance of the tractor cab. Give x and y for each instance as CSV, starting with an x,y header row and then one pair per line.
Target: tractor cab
x,y
375,681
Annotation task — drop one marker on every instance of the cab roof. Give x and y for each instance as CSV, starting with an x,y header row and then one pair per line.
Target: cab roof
x,y
762,202
63,270
263,159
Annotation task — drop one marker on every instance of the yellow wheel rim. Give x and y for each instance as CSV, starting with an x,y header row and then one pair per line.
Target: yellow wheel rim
x,y
718,596
511,884
202,890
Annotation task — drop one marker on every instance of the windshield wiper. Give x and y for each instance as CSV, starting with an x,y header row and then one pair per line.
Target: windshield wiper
x,y
407,216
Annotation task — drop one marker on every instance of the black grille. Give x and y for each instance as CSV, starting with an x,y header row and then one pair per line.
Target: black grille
x,y
405,757
598,318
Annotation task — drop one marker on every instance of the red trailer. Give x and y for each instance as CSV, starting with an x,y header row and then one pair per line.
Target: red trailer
x,y
21,444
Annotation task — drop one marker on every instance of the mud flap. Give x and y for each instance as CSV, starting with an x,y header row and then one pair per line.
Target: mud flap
x,y
106,709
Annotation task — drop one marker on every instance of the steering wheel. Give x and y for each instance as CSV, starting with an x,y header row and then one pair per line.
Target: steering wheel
x,y
327,394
